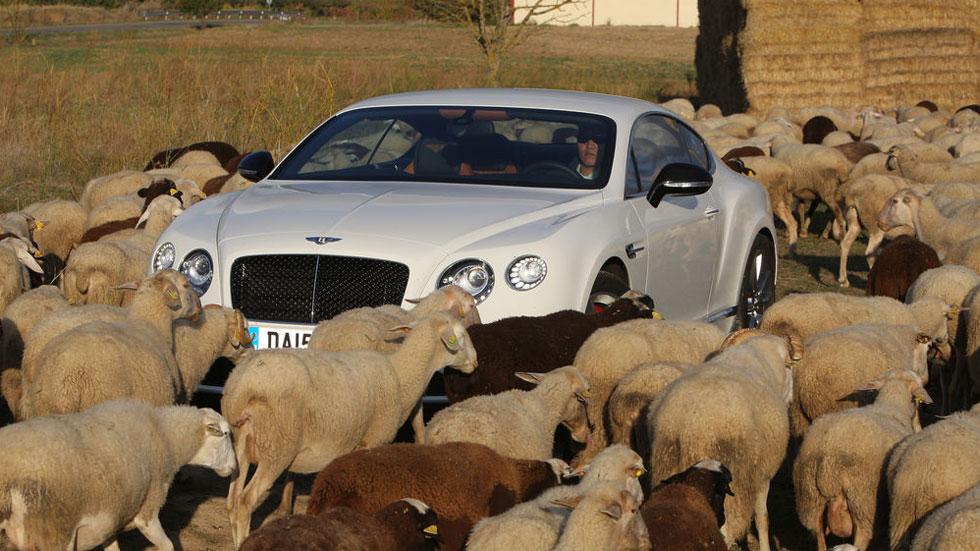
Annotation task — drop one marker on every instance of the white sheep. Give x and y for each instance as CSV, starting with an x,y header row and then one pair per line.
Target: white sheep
x,y
16,258
518,423
63,227
199,173
366,328
731,408
819,170
952,526
806,314
75,481
101,361
840,360
120,207
219,332
535,525
910,208
605,518
611,352
953,285
18,320
836,476
93,269
632,394
295,410
123,182
862,200
929,468
777,177
907,163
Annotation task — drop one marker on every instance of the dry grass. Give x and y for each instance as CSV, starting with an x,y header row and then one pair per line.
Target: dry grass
x,y
80,106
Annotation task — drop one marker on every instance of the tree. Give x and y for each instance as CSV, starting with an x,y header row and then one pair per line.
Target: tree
x,y
15,16
497,26
200,8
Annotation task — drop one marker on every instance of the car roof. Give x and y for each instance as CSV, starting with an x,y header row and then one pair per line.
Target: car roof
x,y
616,107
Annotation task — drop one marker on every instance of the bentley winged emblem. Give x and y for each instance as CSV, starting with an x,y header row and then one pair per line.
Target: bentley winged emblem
x,y
322,240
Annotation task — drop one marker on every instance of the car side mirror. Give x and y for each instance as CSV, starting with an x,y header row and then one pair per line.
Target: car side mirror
x,y
679,179
256,165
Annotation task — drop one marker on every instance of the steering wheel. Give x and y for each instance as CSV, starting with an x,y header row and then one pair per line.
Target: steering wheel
x,y
545,166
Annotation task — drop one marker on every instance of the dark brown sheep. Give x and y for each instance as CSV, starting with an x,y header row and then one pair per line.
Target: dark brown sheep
x,y
817,128
221,151
463,482
928,105
534,343
404,525
899,264
686,511
743,151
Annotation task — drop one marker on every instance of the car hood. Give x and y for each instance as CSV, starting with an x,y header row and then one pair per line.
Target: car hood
x,y
429,214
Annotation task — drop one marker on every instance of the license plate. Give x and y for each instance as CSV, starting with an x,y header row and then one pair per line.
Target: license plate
x,y
279,335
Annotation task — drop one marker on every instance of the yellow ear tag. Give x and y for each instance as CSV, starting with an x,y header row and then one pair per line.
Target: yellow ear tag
x,y
37,254
173,192
586,393
639,472
918,400
71,301
236,335
461,312
452,341
38,225
656,315
172,295
431,529
751,172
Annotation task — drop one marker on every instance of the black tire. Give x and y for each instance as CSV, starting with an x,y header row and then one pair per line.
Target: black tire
x,y
606,289
758,289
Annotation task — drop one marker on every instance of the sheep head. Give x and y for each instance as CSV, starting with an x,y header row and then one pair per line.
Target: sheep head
x,y
901,209
216,451
577,392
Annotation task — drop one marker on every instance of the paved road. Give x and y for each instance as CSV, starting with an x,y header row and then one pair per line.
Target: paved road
x,y
132,26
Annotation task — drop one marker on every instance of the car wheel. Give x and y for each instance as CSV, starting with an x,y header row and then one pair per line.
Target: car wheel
x,y
758,290
606,289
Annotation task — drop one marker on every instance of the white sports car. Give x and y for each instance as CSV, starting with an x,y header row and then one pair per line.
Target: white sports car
x,y
532,200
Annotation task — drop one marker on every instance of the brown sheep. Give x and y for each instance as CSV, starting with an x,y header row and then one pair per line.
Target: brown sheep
x,y
898,265
221,151
463,481
815,129
687,510
404,525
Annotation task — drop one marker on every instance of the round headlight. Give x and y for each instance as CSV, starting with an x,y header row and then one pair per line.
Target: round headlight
x,y
527,272
164,257
474,276
198,268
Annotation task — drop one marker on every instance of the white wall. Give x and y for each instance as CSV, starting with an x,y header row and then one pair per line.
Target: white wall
x,y
621,12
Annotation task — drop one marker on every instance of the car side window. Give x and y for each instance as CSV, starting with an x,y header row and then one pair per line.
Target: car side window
x,y
656,142
696,147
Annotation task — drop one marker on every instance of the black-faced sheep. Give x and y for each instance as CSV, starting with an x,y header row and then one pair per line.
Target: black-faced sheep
x,y
815,129
899,264
535,343
464,482
687,510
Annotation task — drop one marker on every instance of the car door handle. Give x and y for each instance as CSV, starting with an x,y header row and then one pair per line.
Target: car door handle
x,y
710,212
631,250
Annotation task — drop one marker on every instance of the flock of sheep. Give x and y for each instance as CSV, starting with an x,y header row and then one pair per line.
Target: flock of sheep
x,y
604,430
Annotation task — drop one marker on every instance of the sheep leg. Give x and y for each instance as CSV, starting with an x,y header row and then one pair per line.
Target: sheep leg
x,y
762,517
241,512
875,237
111,544
153,531
418,424
286,505
784,214
804,220
853,229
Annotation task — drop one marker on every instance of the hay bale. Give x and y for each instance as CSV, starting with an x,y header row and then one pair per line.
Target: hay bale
x,y
756,54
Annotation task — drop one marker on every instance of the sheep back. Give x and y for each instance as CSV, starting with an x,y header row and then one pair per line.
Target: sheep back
x,y
898,265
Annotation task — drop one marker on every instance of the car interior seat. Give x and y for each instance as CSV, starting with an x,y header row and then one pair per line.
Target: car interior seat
x,y
486,154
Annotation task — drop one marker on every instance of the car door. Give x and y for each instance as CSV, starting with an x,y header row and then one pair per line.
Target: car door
x,y
682,232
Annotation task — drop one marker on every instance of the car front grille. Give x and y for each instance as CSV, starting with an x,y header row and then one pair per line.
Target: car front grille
x,y
309,288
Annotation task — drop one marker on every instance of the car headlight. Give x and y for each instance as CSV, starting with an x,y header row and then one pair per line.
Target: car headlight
x,y
164,257
198,268
473,275
527,272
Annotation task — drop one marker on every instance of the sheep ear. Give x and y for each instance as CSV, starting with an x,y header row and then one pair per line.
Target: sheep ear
x,y
172,295
921,338
953,312
585,397
568,502
614,510
921,396
39,224
413,300
451,342
143,191
128,286
533,378
27,259
872,386
143,218
401,329
214,429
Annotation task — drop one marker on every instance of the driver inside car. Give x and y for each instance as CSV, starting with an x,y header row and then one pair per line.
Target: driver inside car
x,y
588,142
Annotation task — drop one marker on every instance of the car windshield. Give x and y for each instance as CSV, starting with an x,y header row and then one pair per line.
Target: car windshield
x,y
485,145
